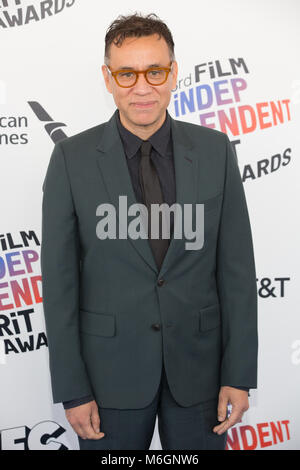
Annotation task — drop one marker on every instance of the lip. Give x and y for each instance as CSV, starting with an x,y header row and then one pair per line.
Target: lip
x,y
144,104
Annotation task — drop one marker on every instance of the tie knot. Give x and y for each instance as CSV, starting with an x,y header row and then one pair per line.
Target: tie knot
x,y
146,148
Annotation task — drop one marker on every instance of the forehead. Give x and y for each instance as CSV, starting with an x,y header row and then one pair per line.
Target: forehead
x,y
140,52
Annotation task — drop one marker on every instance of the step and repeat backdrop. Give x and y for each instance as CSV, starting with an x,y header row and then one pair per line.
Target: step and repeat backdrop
x,y
239,72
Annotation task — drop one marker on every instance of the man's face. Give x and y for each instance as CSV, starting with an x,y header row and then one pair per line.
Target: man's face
x,y
143,104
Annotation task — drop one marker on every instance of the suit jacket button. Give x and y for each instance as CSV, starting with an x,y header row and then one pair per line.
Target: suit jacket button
x,y
160,282
156,326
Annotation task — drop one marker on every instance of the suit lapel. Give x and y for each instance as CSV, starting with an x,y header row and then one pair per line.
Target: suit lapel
x,y
112,163
113,166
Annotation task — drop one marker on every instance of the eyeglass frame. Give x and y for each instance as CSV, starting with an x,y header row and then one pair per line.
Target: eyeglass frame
x,y
144,72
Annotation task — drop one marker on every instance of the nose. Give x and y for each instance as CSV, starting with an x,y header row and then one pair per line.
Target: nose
x,y
142,86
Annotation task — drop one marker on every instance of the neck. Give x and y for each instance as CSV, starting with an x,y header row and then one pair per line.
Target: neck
x,y
142,131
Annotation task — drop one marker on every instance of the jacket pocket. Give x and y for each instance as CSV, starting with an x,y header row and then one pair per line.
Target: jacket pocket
x,y
209,317
99,324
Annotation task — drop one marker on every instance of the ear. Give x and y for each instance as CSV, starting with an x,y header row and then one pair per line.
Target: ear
x,y
174,74
107,78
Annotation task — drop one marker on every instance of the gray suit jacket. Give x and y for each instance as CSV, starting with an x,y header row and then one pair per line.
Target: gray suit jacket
x,y
111,317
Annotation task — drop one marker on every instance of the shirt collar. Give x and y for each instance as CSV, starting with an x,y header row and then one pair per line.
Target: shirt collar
x,y
159,140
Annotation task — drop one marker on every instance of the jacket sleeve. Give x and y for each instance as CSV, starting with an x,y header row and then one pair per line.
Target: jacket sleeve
x,y
236,282
60,266
77,402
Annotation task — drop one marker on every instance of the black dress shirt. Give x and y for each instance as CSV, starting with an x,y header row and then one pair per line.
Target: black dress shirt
x,y
162,158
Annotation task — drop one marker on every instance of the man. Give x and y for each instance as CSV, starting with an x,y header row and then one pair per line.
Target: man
x,y
143,327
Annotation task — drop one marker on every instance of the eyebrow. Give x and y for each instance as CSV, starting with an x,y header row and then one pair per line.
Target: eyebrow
x,y
132,68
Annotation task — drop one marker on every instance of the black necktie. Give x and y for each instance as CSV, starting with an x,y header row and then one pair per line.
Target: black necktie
x,y
152,194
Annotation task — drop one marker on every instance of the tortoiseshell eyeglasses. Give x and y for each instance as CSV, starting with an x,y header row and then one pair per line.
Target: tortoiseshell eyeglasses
x,y
154,76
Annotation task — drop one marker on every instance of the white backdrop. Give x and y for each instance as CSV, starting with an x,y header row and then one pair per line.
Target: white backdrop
x,y
50,82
